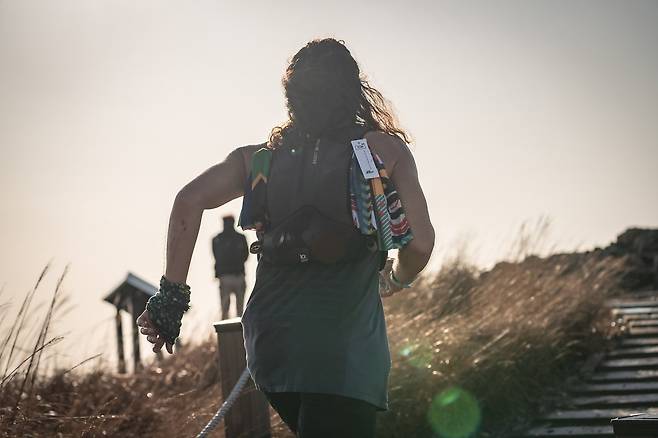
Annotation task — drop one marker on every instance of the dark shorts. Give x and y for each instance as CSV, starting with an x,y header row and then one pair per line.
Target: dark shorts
x,y
314,415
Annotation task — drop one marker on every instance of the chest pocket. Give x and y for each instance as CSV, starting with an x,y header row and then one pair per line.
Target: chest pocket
x,y
312,175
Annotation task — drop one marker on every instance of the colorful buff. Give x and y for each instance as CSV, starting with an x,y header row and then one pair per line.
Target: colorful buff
x,y
376,206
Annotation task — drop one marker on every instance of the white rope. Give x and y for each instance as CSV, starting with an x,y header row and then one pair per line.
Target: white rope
x,y
221,412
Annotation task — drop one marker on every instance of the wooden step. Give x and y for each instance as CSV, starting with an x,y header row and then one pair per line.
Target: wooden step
x,y
616,388
623,376
612,401
632,352
625,319
643,332
579,415
644,323
629,364
634,311
624,304
571,431
634,342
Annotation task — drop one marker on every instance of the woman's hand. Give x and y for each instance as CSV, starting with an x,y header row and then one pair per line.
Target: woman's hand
x,y
386,287
152,334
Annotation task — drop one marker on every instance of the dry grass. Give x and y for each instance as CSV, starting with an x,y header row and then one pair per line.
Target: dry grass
x,y
174,399
504,336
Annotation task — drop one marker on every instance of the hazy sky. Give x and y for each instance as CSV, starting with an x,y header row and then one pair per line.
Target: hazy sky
x,y
518,109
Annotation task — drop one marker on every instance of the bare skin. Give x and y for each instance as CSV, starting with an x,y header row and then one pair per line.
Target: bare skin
x,y
401,169
224,182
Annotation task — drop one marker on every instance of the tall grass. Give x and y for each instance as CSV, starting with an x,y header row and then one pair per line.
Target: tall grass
x,y
8,346
35,401
19,379
532,238
499,340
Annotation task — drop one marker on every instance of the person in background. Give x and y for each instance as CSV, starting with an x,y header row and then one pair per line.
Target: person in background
x,y
231,253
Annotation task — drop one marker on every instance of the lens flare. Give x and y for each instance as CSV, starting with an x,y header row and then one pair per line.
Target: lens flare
x,y
454,413
417,355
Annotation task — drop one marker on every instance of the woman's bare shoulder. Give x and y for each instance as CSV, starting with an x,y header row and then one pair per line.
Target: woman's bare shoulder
x,y
245,153
389,147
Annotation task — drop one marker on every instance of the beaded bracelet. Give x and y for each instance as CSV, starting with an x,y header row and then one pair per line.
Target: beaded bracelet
x,y
167,306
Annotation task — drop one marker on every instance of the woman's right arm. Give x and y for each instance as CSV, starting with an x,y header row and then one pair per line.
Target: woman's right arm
x,y
415,255
402,171
213,188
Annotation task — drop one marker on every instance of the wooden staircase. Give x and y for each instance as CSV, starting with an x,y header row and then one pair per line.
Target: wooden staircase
x,y
621,381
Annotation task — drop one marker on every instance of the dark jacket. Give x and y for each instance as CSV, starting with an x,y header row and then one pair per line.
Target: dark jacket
x,y
231,252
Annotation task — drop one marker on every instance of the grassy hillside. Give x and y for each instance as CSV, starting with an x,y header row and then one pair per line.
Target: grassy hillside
x,y
473,352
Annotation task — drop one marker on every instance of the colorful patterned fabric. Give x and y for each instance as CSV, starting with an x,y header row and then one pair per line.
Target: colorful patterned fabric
x,y
253,215
376,206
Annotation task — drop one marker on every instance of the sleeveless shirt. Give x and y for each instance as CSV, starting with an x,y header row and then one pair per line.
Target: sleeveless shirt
x,y
319,328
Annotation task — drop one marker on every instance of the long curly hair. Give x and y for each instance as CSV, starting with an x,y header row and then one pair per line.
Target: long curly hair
x,y
325,91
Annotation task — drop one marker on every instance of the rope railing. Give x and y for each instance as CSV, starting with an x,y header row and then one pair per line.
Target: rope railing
x,y
226,406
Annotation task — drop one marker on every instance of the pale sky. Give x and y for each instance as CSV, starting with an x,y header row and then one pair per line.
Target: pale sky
x,y
518,109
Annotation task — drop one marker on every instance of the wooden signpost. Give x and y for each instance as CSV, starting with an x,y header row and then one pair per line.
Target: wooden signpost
x,y
131,295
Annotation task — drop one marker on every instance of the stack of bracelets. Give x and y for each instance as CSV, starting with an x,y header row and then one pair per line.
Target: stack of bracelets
x,y
166,308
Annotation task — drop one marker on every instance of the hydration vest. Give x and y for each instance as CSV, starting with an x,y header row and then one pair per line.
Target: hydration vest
x,y
308,204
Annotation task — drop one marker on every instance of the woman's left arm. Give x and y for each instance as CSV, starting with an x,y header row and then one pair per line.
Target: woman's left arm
x,y
215,187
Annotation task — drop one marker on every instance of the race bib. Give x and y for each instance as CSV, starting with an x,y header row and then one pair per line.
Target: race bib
x,y
364,157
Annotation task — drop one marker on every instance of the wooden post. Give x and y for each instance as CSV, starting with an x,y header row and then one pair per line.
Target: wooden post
x,y
137,362
250,415
122,360
636,426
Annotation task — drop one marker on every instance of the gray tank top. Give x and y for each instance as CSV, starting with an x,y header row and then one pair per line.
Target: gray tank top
x,y
319,328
